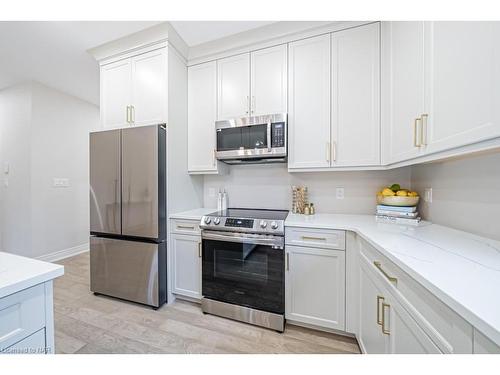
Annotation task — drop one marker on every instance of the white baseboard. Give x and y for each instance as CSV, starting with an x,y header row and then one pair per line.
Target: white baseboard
x,y
65,253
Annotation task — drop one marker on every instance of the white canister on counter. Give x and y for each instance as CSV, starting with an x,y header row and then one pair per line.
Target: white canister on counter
x,y
225,200
219,201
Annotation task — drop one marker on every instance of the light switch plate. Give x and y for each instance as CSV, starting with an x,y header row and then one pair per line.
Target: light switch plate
x,y
60,182
339,193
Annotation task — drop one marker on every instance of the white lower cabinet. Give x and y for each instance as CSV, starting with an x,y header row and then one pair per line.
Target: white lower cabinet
x,y
385,326
315,286
186,257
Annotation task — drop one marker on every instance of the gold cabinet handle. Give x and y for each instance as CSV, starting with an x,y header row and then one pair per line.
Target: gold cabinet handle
x,y
384,330
379,319
334,151
327,152
248,105
288,261
305,238
252,106
185,227
132,114
415,132
390,278
128,114
200,251
423,132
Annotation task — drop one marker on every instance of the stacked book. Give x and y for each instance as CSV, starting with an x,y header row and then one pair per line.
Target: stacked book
x,y
397,214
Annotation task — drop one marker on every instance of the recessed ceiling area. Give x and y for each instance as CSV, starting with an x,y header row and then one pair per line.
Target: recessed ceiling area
x,y
54,53
198,32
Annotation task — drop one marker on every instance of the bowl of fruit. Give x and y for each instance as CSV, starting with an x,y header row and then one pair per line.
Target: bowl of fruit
x,y
395,196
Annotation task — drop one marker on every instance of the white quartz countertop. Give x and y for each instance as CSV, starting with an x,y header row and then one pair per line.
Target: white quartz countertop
x,y
18,273
461,269
195,214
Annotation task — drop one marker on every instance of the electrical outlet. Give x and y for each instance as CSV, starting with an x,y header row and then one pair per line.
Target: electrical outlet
x,y
428,195
339,193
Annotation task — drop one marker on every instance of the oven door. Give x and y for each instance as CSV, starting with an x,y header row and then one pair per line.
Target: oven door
x,y
244,269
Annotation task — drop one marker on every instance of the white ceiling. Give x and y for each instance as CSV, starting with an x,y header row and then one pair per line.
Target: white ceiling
x,y
197,32
54,53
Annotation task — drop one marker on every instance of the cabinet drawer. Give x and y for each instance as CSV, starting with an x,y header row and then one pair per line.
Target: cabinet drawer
x,y
450,332
181,226
311,237
33,344
21,314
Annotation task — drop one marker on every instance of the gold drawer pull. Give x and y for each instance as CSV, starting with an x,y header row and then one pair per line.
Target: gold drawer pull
x,y
384,330
314,238
390,278
185,227
379,320
200,250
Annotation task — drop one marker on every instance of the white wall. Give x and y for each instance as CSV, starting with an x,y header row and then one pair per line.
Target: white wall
x,y
60,136
269,186
38,219
15,199
465,193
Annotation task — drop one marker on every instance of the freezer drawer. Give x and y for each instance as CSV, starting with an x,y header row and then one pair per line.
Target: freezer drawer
x,y
105,185
131,270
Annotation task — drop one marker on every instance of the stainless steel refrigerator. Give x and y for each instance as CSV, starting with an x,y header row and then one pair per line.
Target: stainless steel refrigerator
x,y
128,214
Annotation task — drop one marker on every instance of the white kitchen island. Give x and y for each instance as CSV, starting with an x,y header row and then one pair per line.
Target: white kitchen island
x,y
26,304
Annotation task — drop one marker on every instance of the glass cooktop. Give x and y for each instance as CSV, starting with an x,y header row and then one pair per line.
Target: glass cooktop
x,y
249,213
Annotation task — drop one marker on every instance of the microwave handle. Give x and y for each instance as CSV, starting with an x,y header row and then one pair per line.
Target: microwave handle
x,y
269,143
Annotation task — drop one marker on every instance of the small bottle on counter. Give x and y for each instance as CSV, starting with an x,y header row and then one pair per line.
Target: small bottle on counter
x,y
225,200
307,210
219,201
312,209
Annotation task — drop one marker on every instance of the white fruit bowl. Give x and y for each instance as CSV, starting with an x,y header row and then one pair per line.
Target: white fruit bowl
x,y
398,201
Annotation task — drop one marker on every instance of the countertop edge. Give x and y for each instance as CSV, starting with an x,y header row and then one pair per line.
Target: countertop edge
x,y
28,282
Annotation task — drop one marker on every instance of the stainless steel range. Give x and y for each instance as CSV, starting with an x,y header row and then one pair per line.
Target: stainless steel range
x,y
243,266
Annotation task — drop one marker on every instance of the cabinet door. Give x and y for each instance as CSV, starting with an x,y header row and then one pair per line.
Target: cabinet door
x,y
356,96
202,111
233,87
402,89
371,297
186,254
462,83
149,88
309,103
315,286
405,336
116,81
269,80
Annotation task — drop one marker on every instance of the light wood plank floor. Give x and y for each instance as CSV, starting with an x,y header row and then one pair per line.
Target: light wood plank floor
x,y
85,323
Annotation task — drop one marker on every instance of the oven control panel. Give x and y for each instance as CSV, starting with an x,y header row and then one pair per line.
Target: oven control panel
x,y
239,223
245,225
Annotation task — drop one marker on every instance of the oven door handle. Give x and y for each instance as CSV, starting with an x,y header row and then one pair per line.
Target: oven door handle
x,y
260,240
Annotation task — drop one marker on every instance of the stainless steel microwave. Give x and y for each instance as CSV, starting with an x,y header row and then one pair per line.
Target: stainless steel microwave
x,y
256,139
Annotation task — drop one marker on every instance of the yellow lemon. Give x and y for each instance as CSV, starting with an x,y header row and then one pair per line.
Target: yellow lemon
x,y
413,194
388,192
402,193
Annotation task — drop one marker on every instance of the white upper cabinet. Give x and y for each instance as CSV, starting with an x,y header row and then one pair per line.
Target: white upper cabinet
x,y
149,88
309,103
202,113
356,96
233,87
268,81
402,89
134,90
116,83
462,98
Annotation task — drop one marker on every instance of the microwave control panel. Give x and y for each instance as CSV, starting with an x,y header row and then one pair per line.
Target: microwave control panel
x,y
278,134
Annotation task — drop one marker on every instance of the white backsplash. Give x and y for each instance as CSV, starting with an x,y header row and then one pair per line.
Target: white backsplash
x,y
269,186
